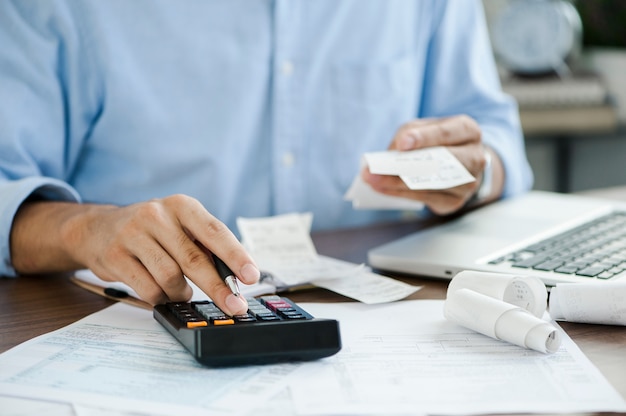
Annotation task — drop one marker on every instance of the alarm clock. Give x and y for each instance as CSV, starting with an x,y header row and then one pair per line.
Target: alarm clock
x,y
536,37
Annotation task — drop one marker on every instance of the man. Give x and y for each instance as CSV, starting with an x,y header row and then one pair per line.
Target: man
x,y
133,134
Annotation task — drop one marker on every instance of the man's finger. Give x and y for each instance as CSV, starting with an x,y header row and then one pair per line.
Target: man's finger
x,y
214,236
452,131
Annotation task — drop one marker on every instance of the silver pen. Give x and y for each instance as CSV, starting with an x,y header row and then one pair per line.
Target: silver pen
x,y
227,275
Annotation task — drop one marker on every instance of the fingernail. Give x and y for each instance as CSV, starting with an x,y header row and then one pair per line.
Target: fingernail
x,y
237,305
249,273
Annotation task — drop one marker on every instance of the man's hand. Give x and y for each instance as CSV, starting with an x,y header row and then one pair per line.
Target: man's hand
x,y
462,136
150,246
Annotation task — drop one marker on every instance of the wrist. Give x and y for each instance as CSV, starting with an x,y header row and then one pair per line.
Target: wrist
x,y
485,189
37,238
78,224
486,186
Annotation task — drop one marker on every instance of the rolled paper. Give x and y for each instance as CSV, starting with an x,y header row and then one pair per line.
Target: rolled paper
x,y
501,320
592,303
527,292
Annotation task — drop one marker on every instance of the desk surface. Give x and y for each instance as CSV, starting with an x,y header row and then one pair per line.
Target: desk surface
x,y
34,305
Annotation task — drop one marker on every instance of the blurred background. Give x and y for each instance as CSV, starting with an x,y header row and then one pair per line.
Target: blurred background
x,y
565,62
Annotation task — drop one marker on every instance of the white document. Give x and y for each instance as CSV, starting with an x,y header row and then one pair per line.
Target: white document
x,y
364,197
401,357
424,162
429,168
406,358
367,287
283,248
281,239
121,358
432,168
348,279
451,173
593,302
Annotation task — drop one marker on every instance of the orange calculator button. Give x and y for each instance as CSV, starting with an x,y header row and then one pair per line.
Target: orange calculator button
x,y
196,324
224,322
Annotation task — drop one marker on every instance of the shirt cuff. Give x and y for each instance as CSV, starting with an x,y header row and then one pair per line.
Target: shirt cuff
x,y
14,193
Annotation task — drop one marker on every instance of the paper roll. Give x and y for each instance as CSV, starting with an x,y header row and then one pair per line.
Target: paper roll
x,y
592,303
501,320
527,292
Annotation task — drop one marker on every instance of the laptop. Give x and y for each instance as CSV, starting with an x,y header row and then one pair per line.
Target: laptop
x,y
555,237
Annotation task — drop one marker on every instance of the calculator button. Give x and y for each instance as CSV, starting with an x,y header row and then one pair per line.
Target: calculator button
x,y
213,315
278,305
268,318
294,317
218,322
265,315
291,312
257,311
260,310
219,317
197,324
271,298
245,319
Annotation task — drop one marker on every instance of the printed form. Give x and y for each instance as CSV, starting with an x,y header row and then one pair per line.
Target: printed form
x,y
405,358
122,359
397,358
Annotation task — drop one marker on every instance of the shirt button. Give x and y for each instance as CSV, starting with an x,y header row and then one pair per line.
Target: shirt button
x,y
287,68
288,159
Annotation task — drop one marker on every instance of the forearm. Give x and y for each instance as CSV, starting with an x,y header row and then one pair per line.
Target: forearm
x,y
45,235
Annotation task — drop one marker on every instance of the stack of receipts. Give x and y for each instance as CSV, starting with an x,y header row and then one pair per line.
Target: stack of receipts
x,y
432,168
283,249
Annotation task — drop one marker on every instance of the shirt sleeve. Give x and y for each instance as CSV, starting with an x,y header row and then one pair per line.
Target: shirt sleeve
x,y
35,154
14,193
461,78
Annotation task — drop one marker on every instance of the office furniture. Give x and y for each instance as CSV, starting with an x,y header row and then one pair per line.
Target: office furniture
x,y
562,113
573,161
34,305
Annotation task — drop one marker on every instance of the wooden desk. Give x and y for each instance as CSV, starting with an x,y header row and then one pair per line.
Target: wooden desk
x,y
34,305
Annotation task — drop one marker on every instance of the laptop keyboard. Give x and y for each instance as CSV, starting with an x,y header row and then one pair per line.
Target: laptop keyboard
x,y
596,249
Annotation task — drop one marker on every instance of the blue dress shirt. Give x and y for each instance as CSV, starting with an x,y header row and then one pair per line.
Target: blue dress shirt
x,y
255,108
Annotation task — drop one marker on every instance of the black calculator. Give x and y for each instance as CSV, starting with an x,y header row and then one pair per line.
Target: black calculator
x,y
275,329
